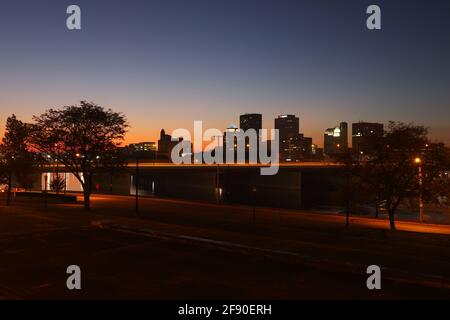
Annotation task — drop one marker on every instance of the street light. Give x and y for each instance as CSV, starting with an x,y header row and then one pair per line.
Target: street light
x,y
217,170
137,185
254,203
418,161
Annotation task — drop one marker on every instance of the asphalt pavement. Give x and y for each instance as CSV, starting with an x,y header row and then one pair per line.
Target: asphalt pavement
x,y
176,249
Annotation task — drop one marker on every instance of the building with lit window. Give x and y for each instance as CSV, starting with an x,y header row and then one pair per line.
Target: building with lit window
x,y
232,133
143,146
294,146
247,122
362,132
336,139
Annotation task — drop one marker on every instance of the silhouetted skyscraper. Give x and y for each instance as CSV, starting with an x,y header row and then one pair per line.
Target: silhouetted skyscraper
x,y
166,144
251,121
288,126
231,134
294,146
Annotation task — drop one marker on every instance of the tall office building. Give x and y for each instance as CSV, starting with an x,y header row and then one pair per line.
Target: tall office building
x,y
294,147
288,125
336,139
232,134
362,132
251,121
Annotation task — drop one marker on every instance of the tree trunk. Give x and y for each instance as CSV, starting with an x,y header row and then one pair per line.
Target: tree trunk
x,y
391,219
8,196
87,193
377,206
87,200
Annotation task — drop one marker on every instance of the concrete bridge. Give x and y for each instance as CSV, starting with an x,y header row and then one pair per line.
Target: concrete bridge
x,y
296,185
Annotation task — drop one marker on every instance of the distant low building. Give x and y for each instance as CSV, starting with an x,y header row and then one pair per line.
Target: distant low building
x,y
142,150
143,146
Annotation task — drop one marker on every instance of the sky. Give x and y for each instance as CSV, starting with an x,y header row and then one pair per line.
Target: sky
x,y
166,63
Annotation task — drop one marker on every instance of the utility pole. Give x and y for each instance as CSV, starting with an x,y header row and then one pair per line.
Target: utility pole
x,y
217,172
137,184
217,184
418,161
111,182
57,176
254,204
45,190
420,194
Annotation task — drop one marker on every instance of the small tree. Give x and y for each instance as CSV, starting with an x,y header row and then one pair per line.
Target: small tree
x,y
84,139
16,161
58,184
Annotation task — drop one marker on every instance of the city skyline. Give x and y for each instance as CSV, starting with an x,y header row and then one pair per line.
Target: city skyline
x,y
319,142
222,59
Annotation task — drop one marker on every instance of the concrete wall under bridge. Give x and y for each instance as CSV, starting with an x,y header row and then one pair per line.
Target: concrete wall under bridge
x,y
293,186
301,186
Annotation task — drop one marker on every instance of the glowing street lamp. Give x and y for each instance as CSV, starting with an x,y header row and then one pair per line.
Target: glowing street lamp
x,y
418,161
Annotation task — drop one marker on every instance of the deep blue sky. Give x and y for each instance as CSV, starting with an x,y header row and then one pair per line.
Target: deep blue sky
x,y
165,63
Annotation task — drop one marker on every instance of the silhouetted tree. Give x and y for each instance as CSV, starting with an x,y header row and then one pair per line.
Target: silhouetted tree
x,y
16,161
84,139
391,173
435,167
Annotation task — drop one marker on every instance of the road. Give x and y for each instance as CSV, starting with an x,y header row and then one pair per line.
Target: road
x,y
175,249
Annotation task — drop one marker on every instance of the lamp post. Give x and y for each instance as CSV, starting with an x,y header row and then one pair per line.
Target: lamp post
x,y
418,161
137,184
217,171
45,189
254,203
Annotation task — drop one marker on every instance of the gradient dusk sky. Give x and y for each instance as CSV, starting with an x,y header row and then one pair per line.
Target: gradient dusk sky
x,y
166,63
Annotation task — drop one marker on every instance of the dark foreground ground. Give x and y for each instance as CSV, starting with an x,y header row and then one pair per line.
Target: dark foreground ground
x,y
185,250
